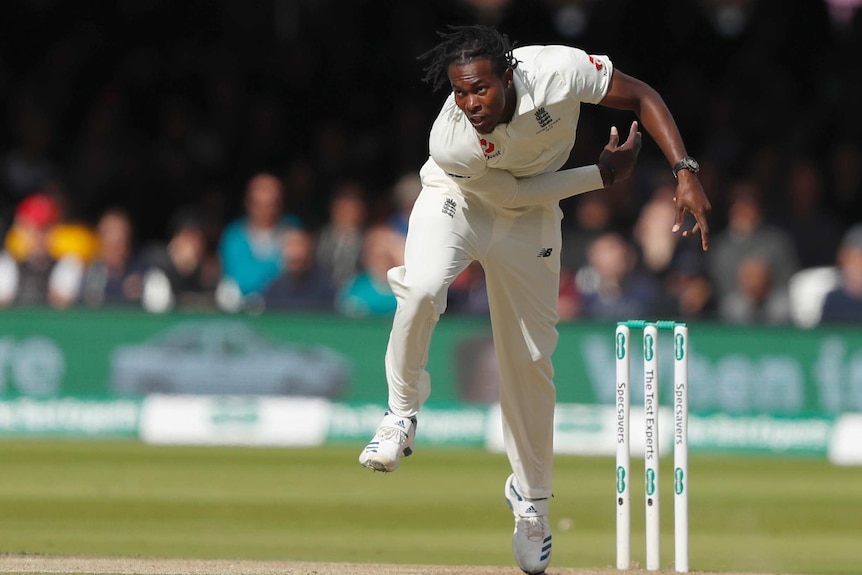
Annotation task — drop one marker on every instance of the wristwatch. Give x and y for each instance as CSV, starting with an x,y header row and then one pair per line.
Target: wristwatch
x,y
687,163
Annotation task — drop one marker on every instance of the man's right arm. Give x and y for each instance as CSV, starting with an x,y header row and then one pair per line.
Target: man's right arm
x,y
504,189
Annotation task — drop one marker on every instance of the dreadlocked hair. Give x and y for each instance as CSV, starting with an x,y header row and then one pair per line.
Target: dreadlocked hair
x,y
462,44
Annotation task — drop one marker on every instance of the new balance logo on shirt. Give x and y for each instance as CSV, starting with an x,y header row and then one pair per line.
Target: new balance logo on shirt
x,y
545,252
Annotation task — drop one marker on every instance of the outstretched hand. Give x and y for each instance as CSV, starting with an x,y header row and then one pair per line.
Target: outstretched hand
x,y
690,198
621,159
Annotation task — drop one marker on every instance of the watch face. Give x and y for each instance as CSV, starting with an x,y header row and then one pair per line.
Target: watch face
x,y
687,163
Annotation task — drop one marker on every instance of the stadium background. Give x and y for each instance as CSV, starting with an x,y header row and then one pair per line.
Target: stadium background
x,y
159,106
155,104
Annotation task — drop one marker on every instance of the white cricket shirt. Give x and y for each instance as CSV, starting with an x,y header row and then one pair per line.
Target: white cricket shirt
x,y
550,82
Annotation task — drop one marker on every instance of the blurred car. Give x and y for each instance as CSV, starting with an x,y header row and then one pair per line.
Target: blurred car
x,y
226,357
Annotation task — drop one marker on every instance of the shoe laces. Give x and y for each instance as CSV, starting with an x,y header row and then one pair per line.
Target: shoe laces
x,y
534,527
392,433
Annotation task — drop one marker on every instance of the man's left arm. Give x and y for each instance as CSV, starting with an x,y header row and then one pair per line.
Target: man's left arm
x,y
628,93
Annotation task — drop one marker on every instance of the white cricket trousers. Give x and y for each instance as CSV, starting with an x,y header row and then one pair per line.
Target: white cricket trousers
x,y
519,250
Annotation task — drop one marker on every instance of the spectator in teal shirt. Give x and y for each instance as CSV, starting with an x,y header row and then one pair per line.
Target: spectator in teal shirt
x,y
250,247
367,293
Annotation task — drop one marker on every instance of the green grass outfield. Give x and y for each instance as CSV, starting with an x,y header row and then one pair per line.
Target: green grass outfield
x,y
442,507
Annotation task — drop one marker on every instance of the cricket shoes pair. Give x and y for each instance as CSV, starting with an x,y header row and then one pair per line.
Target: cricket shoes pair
x,y
531,541
393,439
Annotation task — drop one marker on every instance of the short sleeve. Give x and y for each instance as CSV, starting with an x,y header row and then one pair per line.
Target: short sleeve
x,y
587,76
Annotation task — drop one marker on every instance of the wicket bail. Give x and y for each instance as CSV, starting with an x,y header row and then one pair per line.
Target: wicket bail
x,y
651,435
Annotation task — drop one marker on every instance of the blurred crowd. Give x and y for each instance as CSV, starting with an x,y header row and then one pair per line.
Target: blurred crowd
x,y
252,157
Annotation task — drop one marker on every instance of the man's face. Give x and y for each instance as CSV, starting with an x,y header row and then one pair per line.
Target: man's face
x,y
481,93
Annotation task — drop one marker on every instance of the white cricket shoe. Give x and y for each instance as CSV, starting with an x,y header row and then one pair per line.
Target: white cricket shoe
x,y
394,438
531,541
